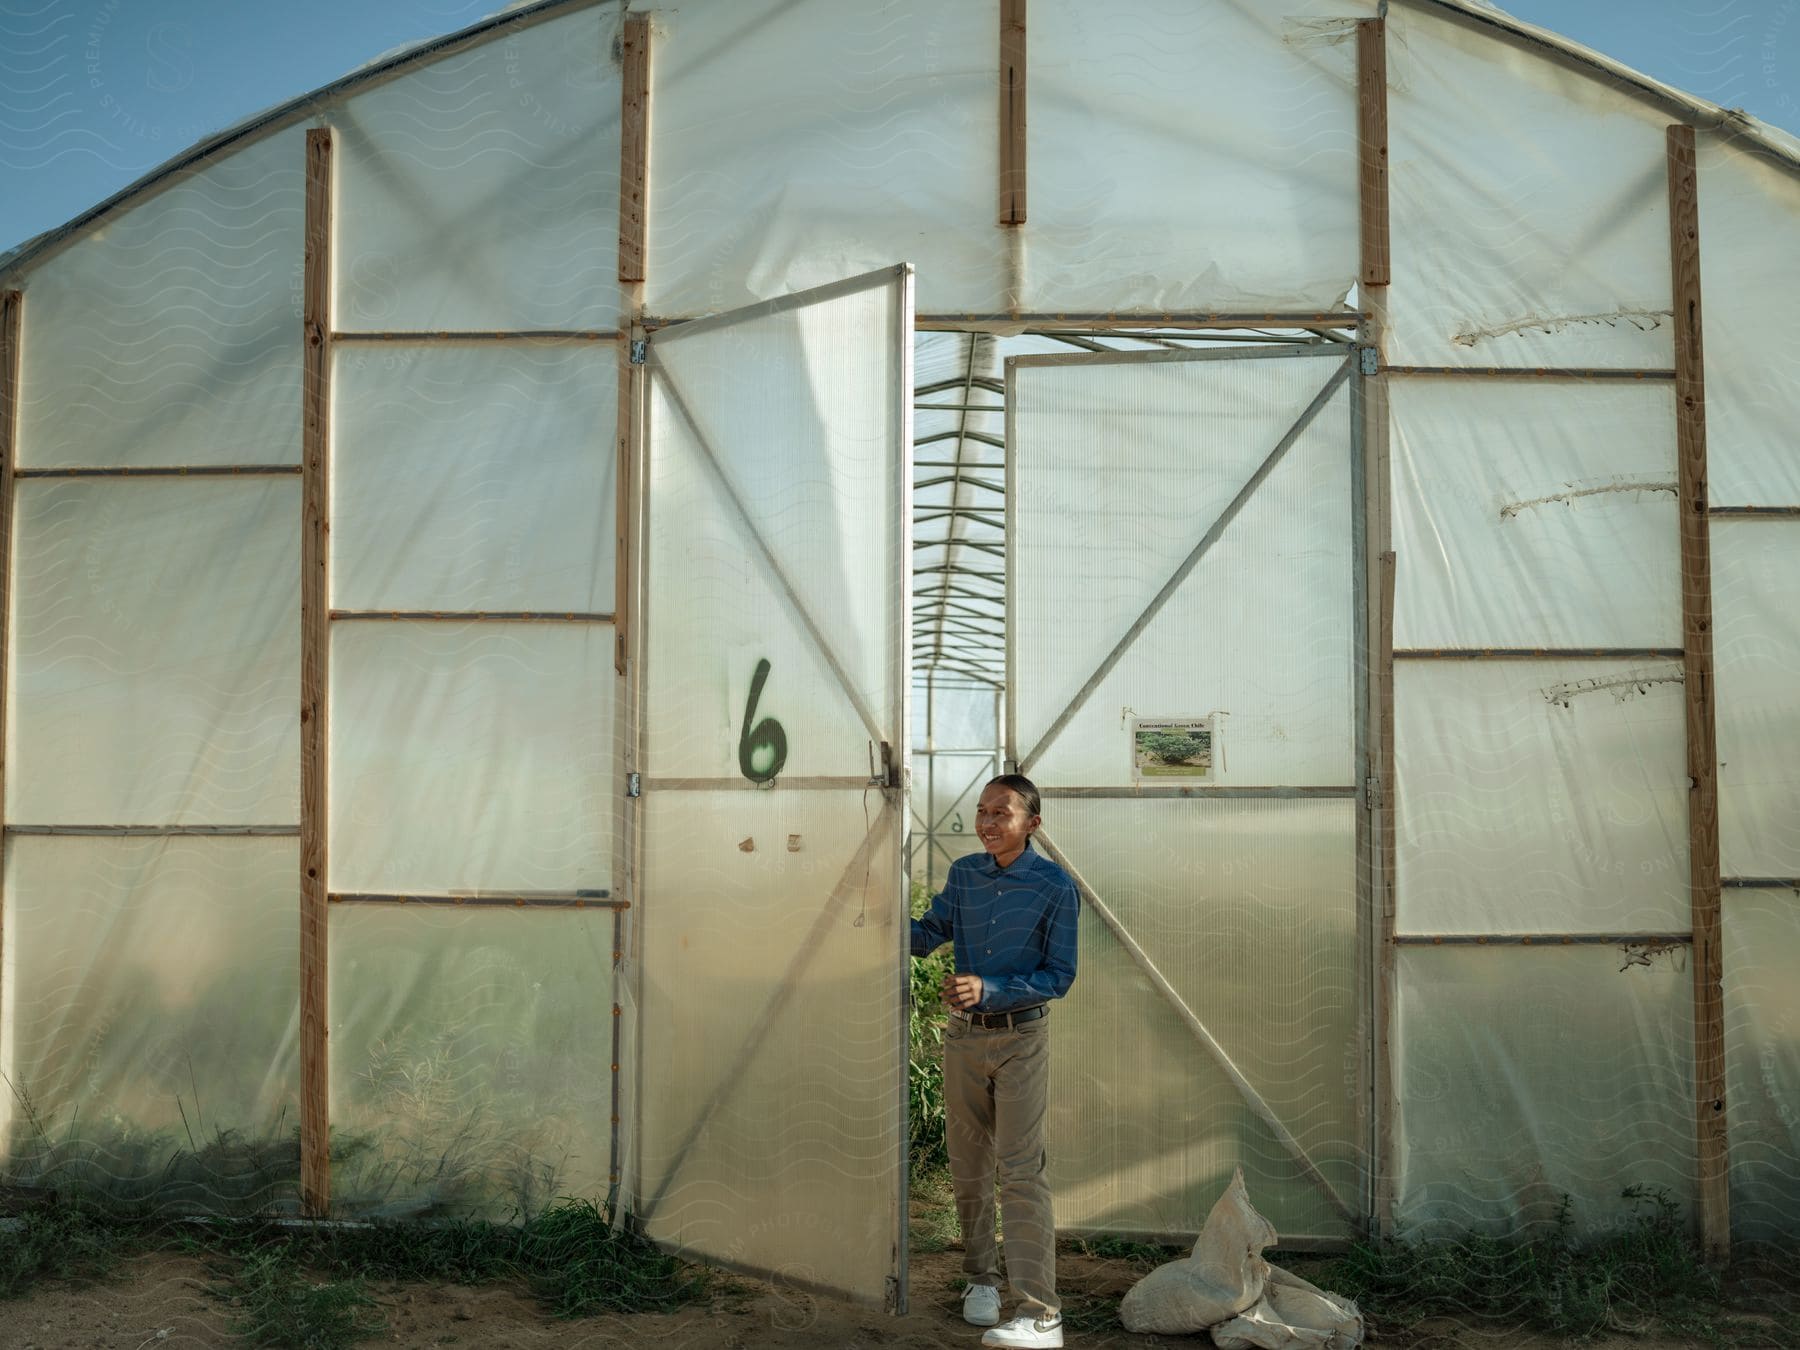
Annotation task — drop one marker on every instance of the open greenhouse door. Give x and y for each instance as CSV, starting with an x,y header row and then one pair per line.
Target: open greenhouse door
x,y
1184,563
772,915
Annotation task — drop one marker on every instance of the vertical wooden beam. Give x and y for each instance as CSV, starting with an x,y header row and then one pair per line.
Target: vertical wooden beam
x,y
1012,112
634,189
315,640
1697,656
1372,146
634,207
1375,829
634,146
12,305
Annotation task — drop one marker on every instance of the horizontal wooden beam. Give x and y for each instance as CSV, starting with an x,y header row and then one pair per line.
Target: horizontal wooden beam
x,y
741,784
1529,372
157,831
1536,653
1008,323
1755,512
485,899
1539,939
469,616
167,471
422,336
1224,791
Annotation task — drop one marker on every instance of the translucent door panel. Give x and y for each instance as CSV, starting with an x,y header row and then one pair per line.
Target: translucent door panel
x,y
772,902
1181,664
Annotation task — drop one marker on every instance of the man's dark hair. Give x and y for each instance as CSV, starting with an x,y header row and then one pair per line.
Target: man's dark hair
x,y
1027,790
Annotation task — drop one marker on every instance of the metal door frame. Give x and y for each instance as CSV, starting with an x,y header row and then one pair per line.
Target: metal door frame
x,y
1355,364
895,786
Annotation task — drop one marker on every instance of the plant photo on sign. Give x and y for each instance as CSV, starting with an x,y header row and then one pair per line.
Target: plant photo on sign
x,y
1171,748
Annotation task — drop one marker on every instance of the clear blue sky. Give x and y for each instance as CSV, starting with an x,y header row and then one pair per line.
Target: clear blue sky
x,y
94,93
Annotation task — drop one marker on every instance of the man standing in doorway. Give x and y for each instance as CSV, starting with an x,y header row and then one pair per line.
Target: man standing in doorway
x,y
1011,914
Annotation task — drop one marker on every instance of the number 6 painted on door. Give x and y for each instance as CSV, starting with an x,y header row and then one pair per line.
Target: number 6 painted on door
x,y
767,735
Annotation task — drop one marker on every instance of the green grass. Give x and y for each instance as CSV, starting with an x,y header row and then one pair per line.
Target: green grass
x,y
1147,1256
66,1244
1646,1278
568,1256
931,1211
275,1301
925,1039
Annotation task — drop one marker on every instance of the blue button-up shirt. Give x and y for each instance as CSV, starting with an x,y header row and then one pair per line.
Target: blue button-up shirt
x,y
1014,926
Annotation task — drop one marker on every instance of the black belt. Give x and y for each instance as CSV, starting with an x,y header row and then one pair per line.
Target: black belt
x,y
989,1021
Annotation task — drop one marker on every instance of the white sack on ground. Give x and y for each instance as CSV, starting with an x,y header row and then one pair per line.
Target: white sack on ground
x,y
1290,1314
1226,1285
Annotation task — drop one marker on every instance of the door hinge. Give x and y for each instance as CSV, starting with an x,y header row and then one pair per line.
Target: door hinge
x,y
892,1301
1369,360
1372,790
634,785
640,351
890,770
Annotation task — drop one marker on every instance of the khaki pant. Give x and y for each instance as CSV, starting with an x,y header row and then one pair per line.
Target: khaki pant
x,y
996,1083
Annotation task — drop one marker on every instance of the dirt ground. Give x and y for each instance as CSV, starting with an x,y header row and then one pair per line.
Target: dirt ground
x,y
160,1300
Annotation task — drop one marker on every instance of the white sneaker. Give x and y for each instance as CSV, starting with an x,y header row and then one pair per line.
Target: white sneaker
x,y
981,1305
1027,1331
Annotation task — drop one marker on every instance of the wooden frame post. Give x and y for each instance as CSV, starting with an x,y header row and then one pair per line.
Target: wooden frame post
x,y
1375,824
634,212
1697,658
315,639
1012,112
1372,147
12,305
634,200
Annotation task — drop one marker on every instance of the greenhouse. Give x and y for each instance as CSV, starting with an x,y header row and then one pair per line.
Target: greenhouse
x,y
515,560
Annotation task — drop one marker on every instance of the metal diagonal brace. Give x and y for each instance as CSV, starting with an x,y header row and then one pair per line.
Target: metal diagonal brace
x,y
1188,564
661,373
804,951
1255,1099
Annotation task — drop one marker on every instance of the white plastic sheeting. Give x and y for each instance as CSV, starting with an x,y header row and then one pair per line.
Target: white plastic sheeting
x,y
903,165
1762,1059
1259,631
152,1004
482,191
470,1059
1751,291
153,668
1756,656
172,336
1529,201
1535,515
471,756
1541,797
155,671
1262,212
956,750
1533,1073
772,937
474,478
1237,904
1247,909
